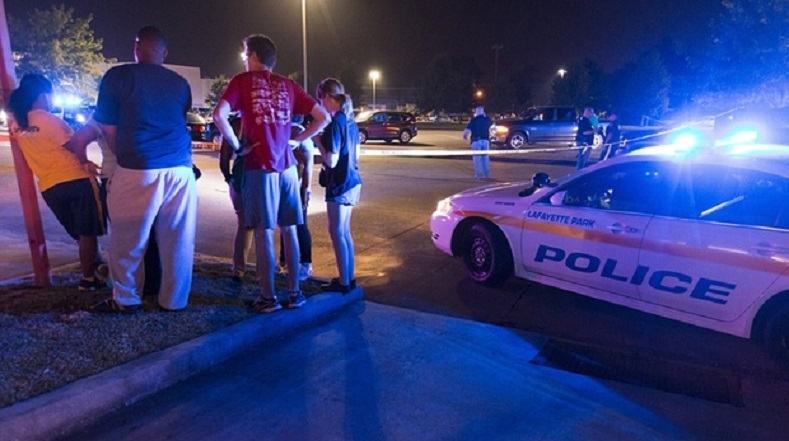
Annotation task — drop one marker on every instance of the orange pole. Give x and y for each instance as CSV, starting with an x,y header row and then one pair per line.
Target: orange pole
x,y
27,186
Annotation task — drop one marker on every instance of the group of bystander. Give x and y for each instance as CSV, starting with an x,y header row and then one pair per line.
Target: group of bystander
x,y
147,178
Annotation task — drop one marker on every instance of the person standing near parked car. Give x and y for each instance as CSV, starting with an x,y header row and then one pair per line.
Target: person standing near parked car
x,y
612,135
584,137
478,129
339,147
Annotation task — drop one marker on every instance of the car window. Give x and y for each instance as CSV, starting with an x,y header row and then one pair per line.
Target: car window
x,y
738,196
566,114
379,118
634,187
394,117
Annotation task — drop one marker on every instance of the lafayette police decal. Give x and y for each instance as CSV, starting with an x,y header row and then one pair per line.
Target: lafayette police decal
x,y
672,282
560,219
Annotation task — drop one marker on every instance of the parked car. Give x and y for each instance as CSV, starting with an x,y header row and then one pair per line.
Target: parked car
x,y
555,124
697,235
197,126
386,125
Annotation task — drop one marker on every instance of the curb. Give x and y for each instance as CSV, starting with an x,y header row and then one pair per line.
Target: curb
x,y
81,403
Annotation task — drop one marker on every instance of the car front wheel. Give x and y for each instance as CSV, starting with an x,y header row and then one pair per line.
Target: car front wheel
x,y
405,137
776,334
362,136
517,140
486,254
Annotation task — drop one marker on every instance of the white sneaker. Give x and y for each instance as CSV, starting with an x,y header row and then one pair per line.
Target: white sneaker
x,y
305,271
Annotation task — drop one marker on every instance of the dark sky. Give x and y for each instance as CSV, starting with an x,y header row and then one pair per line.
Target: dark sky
x,y
399,37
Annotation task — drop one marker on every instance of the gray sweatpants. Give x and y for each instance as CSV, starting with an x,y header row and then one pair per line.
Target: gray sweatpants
x,y
167,200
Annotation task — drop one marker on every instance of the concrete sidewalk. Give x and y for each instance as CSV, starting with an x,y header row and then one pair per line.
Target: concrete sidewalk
x,y
384,373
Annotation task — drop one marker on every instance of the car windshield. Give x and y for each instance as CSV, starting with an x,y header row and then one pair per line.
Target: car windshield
x,y
364,116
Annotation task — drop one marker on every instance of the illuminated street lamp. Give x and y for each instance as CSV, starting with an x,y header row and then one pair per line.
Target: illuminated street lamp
x,y
561,73
374,75
479,94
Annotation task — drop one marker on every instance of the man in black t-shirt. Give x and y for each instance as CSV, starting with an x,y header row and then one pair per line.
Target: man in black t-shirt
x,y
479,131
584,137
612,135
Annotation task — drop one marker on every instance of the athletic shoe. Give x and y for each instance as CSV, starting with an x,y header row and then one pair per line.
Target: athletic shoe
x,y
336,286
296,299
96,284
264,305
305,271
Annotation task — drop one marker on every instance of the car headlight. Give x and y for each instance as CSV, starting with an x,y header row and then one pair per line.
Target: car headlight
x,y
444,206
80,118
499,131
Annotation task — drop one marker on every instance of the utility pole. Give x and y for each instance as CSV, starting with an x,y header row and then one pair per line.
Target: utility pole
x,y
24,176
496,48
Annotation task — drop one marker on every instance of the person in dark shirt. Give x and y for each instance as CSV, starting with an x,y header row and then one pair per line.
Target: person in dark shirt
x,y
478,129
584,138
612,135
339,147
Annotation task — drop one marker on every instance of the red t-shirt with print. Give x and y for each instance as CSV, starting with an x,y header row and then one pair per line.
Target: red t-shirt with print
x,y
267,103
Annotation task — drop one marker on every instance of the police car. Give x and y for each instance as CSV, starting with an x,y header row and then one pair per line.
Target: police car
x,y
699,235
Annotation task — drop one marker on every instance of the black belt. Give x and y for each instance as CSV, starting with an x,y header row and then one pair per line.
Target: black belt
x,y
478,139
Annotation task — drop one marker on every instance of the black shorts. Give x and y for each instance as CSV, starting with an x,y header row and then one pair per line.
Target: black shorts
x,y
78,207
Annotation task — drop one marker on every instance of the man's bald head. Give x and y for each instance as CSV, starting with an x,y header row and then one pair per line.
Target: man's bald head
x,y
150,46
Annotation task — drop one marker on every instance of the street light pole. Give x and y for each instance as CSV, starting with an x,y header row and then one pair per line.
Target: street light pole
x,y
304,38
374,75
496,48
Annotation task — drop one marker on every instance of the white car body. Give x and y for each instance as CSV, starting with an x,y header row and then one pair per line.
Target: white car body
x,y
711,251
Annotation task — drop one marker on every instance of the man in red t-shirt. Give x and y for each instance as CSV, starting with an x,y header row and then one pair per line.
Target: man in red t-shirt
x,y
270,190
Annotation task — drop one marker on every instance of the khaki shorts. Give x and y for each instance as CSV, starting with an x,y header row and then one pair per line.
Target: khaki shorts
x,y
271,198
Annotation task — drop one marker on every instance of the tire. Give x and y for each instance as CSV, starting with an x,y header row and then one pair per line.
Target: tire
x,y
486,254
776,334
405,137
362,136
517,140
217,138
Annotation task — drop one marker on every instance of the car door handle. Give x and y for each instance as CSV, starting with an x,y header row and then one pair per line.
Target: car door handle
x,y
618,228
767,249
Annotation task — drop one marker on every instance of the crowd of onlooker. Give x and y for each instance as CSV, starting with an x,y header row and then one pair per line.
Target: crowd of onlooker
x,y
145,186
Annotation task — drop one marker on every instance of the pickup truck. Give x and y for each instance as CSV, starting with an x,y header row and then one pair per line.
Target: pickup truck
x,y
551,124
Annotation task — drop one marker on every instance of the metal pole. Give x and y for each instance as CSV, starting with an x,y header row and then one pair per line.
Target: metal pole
x,y
304,38
27,187
373,93
496,48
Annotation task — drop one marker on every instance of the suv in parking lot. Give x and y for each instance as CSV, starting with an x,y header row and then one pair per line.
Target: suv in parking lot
x,y
386,125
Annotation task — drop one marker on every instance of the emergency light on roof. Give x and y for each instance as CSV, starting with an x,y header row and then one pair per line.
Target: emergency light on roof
x,y
66,100
687,138
743,135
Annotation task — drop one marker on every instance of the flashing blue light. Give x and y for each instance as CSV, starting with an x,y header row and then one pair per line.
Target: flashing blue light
x,y
66,100
744,136
687,139
80,118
